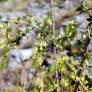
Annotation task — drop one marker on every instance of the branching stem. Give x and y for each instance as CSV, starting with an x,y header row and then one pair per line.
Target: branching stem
x,y
55,51
82,64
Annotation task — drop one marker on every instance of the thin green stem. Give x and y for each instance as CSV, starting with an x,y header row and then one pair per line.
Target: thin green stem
x,y
55,51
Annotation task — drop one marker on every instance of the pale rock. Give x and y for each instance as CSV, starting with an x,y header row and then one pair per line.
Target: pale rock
x,y
18,56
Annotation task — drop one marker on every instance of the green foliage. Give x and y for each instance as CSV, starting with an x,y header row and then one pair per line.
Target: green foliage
x,y
67,68
82,7
2,0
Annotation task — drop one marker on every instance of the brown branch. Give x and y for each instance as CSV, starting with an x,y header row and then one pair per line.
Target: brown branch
x,y
82,64
2,52
69,14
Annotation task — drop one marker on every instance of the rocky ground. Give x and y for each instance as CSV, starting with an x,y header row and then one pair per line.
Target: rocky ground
x,y
18,60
